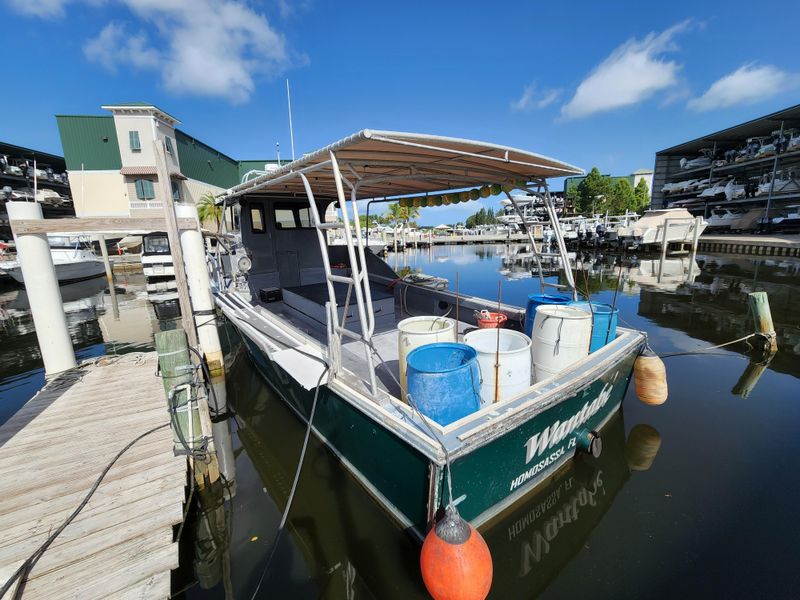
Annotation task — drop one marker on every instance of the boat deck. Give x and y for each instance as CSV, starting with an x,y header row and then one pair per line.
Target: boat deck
x,y
51,453
385,341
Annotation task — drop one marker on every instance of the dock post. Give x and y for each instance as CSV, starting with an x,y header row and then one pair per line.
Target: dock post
x,y
44,295
762,317
663,249
194,258
202,472
101,240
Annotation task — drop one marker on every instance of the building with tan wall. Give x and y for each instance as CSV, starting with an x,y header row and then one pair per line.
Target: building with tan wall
x,y
112,165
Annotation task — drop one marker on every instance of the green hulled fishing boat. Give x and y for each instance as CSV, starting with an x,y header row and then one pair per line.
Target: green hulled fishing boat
x,y
320,323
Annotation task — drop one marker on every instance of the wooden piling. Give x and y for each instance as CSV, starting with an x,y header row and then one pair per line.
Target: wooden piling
x,y
762,318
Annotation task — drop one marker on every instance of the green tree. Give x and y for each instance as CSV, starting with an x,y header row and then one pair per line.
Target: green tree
x,y
400,215
208,211
490,218
593,192
621,198
642,195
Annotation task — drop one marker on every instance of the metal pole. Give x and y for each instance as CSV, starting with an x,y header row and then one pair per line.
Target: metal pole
x,y
772,186
291,129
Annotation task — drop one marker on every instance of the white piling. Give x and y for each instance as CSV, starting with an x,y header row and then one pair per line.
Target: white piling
x,y
225,456
44,295
194,259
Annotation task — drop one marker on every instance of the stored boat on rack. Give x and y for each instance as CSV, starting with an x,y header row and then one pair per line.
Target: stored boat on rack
x,y
309,327
659,226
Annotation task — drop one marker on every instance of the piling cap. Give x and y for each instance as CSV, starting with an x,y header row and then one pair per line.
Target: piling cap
x,y
452,528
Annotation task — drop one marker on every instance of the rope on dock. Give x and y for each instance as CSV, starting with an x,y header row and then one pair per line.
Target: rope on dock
x,y
22,572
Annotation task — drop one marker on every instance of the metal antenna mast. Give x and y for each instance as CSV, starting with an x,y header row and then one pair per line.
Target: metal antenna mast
x,y
291,130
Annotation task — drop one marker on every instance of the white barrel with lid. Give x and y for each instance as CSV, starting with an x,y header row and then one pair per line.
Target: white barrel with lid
x,y
514,371
419,331
561,336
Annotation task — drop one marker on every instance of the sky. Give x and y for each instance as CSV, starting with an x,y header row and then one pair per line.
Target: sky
x,y
594,84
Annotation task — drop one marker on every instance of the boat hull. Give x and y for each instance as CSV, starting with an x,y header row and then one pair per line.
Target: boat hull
x,y
72,271
489,474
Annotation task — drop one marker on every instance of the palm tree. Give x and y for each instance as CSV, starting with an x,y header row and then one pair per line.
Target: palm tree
x,y
208,211
401,215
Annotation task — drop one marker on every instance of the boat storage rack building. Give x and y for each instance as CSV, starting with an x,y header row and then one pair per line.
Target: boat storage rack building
x,y
753,165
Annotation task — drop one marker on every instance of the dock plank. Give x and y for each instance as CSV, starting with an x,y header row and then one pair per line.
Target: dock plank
x,y
51,453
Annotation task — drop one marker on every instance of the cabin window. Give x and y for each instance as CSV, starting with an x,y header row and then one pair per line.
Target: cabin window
x,y
257,219
168,144
284,218
156,244
144,189
176,190
133,138
292,217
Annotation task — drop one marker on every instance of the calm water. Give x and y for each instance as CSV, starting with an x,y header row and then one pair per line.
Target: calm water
x,y
694,498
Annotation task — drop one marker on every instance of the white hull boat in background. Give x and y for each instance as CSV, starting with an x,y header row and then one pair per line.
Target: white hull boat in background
x,y
73,260
650,228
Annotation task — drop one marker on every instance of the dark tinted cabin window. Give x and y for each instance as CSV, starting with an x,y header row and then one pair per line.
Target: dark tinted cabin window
x,y
257,219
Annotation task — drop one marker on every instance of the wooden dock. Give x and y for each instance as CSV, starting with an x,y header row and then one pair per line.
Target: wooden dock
x,y
52,451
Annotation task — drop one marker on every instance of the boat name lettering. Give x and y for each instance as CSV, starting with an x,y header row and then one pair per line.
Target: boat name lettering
x,y
542,464
544,440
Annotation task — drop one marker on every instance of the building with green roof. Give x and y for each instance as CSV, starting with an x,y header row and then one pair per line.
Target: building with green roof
x,y
112,163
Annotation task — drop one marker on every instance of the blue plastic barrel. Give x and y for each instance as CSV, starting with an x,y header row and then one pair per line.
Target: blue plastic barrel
x,y
444,381
535,300
604,323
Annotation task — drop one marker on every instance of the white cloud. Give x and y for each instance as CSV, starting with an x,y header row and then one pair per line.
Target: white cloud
x,y
114,47
632,73
531,100
46,9
217,48
748,84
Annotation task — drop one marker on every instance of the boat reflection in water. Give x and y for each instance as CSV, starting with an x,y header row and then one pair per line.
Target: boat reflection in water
x,y
535,540
339,543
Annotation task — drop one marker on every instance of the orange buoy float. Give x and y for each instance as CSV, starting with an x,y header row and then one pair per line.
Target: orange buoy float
x,y
650,378
642,447
455,560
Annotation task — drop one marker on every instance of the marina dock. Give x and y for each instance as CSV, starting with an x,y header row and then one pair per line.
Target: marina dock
x,y
52,452
764,245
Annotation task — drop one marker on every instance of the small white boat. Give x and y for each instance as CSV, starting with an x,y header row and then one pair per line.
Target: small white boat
x,y
650,228
73,260
723,218
156,256
376,245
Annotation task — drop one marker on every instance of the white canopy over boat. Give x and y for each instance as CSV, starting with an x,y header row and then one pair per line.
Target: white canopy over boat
x,y
389,163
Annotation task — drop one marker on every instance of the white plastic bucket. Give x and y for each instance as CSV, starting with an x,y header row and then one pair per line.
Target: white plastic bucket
x,y
419,331
561,337
514,372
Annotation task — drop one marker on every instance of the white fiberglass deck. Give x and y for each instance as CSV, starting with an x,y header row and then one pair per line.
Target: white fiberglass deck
x,y
385,341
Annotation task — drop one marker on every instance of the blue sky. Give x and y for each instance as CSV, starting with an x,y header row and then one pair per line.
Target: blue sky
x,y
592,83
